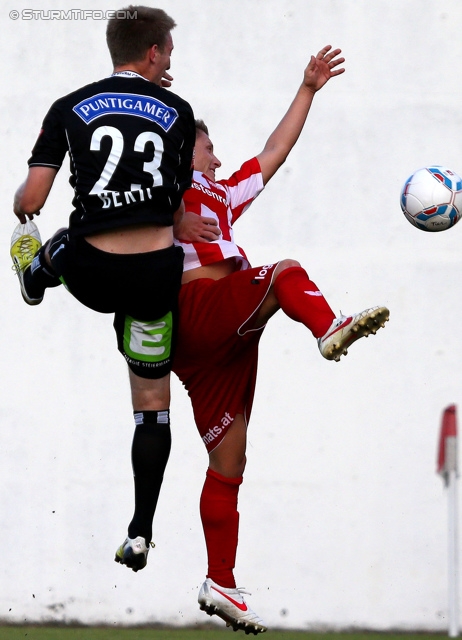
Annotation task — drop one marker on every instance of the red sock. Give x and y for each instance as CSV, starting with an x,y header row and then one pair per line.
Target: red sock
x,y
302,301
220,520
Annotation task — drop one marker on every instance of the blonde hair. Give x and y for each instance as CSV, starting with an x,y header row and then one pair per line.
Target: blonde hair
x,y
201,126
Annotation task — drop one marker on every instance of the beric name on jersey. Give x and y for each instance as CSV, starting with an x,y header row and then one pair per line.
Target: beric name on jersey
x,y
130,146
226,201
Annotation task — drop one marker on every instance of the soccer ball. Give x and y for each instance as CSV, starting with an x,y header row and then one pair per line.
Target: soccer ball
x,y
431,198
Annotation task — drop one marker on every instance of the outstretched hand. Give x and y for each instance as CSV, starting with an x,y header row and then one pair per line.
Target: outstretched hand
x,y
322,68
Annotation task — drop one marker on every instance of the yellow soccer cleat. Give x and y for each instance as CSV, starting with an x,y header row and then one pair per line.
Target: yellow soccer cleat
x,y
133,553
25,243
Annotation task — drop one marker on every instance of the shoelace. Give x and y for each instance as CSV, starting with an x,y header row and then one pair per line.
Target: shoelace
x,y
25,247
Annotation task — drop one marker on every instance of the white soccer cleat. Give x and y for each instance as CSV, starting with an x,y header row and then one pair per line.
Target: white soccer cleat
x,y
25,243
133,552
347,329
230,606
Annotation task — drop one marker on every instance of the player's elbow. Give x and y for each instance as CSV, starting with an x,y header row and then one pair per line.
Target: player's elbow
x,y
32,195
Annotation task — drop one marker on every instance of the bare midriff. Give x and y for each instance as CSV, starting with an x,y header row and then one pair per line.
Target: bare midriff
x,y
214,271
133,239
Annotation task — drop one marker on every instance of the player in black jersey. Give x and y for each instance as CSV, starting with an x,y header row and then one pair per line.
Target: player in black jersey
x,y
130,145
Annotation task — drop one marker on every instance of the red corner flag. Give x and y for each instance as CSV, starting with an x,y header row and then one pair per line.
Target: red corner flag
x,y
447,448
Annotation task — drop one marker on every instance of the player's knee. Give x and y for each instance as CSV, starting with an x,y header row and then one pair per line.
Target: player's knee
x,y
229,466
283,265
286,264
149,394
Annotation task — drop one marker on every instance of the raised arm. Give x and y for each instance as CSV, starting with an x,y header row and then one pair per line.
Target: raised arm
x,y
319,70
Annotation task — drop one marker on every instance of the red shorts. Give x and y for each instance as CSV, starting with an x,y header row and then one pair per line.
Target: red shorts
x,y
217,353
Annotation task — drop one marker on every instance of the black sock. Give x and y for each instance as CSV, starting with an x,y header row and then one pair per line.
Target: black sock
x,y
150,452
39,276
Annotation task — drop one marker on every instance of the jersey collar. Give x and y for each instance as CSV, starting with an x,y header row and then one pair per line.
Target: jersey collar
x,y
128,74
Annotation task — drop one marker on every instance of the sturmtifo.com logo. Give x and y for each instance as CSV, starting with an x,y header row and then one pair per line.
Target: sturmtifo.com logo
x,y
72,14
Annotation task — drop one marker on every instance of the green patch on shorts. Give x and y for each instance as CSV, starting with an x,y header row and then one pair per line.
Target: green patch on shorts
x,y
148,341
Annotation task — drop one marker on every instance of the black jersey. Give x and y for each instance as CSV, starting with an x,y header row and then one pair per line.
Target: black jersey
x,y
130,145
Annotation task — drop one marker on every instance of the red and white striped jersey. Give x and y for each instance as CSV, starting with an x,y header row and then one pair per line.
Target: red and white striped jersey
x,y
226,201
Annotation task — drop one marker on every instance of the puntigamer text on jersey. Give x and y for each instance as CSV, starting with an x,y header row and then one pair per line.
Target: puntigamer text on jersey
x,y
132,104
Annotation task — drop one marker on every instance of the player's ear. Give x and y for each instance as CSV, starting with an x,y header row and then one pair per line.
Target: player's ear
x,y
153,52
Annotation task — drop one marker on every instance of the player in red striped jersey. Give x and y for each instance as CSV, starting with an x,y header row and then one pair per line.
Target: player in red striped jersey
x,y
224,306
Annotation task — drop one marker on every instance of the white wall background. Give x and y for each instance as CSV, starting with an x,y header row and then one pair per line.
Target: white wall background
x,y
343,520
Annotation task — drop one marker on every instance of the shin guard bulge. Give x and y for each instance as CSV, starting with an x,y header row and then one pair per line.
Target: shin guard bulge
x,y
150,453
40,276
301,300
220,520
